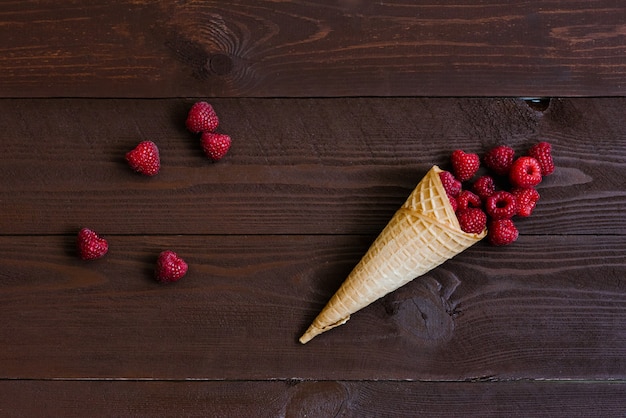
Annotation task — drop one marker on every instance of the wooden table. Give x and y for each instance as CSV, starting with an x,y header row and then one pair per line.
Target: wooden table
x,y
336,110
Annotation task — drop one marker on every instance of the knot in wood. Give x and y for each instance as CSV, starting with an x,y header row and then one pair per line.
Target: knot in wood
x,y
219,64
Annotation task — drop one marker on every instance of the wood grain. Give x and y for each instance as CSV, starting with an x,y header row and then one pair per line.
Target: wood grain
x,y
547,308
292,399
305,166
130,48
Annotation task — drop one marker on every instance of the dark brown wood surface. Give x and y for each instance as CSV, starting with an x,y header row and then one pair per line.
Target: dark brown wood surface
x,y
131,48
295,399
334,119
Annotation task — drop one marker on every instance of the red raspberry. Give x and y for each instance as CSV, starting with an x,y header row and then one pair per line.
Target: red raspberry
x,y
202,118
468,199
451,184
472,220
501,205
170,267
144,158
542,152
499,159
90,245
526,200
464,165
484,187
215,146
525,172
502,232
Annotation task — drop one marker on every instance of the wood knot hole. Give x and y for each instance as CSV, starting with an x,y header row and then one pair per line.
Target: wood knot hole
x,y
539,104
219,64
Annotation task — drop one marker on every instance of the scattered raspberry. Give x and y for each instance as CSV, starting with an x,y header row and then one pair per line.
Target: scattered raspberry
x,y
202,118
472,220
465,165
499,159
542,152
501,205
484,187
525,172
453,202
468,199
170,267
526,200
215,146
502,232
90,245
450,183
144,158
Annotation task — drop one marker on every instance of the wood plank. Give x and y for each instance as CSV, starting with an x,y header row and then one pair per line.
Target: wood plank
x,y
297,399
548,307
297,166
130,48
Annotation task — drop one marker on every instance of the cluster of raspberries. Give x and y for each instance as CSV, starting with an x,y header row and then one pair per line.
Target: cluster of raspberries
x,y
145,159
201,119
483,204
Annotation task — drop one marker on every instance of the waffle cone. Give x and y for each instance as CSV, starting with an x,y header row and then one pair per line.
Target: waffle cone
x,y
420,236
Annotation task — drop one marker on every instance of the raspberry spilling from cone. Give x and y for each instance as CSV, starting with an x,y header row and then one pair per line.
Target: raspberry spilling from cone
x,y
497,206
465,165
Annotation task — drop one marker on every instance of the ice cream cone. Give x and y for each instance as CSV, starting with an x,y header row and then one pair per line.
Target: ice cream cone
x,y
421,235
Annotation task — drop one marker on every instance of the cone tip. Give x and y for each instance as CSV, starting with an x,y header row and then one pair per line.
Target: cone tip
x,y
309,334
315,330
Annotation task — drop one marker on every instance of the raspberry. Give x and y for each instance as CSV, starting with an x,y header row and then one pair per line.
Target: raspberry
x,y
472,220
484,187
170,267
501,205
542,152
215,146
468,199
90,245
451,184
465,165
526,200
144,158
502,232
499,159
525,172
202,118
